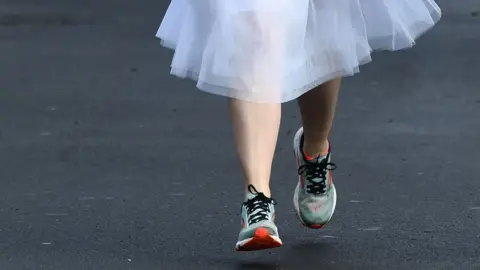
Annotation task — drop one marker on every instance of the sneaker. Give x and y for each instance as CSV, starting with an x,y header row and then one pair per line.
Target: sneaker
x,y
315,196
258,228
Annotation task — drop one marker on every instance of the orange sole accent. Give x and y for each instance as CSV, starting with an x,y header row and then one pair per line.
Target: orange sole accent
x,y
316,226
260,240
312,226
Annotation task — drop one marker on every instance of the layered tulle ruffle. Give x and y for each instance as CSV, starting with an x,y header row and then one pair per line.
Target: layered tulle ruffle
x,y
276,50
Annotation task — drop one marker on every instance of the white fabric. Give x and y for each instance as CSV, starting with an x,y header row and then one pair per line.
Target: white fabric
x,y
276,50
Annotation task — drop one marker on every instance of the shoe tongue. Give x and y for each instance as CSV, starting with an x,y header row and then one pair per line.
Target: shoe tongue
x,y
258,209
315,160
249,196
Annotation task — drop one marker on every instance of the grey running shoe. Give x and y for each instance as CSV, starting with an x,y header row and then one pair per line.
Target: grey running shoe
x,y
315,196
258,228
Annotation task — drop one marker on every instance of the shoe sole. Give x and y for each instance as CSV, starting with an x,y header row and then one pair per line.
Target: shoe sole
x,y
261,240
295,198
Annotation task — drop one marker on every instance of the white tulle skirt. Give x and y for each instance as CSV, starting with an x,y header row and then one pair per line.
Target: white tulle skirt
x,y
273,51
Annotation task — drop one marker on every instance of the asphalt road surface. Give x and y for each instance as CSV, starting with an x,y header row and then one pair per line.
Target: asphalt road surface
x,y
108,162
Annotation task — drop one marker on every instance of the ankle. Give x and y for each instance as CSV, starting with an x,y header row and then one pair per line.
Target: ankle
x,y
315,150
259,189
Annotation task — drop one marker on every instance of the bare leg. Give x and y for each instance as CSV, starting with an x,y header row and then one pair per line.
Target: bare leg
x,y
255,127
318,109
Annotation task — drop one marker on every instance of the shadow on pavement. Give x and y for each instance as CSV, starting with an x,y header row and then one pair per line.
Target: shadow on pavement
x,y
305,256
257,265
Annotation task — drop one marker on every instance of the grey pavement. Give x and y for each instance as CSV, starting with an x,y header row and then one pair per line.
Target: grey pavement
x,y
108,162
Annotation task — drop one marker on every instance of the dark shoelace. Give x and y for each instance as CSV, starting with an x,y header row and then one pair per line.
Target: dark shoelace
x,y
259,206
314,171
